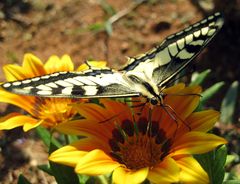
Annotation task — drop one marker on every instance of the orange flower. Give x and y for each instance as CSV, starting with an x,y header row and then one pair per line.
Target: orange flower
x,y
156,146
45,111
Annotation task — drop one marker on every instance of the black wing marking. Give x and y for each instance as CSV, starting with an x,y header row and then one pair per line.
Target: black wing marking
x,y
166,60
87,84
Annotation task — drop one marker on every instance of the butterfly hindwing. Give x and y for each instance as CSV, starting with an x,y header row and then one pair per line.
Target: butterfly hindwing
x,y
87,84
164,62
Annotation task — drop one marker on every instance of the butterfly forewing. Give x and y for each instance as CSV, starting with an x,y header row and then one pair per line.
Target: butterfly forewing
x,y
87,84
166,60
143,75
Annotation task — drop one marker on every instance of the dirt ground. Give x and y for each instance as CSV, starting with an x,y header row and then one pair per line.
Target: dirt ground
x,y
47,27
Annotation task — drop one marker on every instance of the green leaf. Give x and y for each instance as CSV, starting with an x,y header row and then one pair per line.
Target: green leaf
x,y
108,27
107,7
232,182
210,92
46,168
46,137
213,163
229,103
22,180
198,78
63,174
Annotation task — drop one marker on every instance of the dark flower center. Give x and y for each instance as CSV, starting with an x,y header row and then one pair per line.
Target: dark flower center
x,y
143,145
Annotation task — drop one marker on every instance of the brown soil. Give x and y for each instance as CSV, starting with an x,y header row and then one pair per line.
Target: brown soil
x,y
50,27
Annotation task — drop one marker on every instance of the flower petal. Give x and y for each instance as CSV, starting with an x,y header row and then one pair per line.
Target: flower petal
x,y
32,66
96,64
196,143
96,162
55,64
15,120
166,172
87,128
122,175
67,155
191,171
24,102
14,72
203,121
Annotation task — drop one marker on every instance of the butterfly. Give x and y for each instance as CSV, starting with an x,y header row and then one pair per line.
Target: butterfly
x,y
143,75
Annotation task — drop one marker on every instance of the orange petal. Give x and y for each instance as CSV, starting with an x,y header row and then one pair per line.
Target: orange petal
x,y
184,102
174,89
87,128
166,172
33,66
191,171
67,155
96,162
203,121
24,102
196,143
96,64
17,120
122,175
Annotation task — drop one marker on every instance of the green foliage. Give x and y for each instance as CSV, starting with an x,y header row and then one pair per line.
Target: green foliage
x,y
213,163
22,180
199,78
229,103
46,137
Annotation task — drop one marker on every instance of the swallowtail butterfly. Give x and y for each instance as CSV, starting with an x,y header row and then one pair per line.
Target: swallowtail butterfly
x,y
144,75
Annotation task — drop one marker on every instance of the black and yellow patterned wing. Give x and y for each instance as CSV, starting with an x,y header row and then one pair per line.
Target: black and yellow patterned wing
x,y
164,62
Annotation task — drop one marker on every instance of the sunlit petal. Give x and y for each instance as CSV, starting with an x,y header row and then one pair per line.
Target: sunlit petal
x,y
166,172
24,102
96,162
191,171
196,143
122,175
32,66
18,120
97,64
203,120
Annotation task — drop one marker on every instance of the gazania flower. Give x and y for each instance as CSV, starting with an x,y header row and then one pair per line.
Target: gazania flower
x,y
137,145
45,111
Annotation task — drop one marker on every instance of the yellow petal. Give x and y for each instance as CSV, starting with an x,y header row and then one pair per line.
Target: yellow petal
x,y
14,72
203,121
96,64
196,143
16,121
55,64
67,155
32,66
24,102
66,63
96,162
191,171
165,173
122,175
28,125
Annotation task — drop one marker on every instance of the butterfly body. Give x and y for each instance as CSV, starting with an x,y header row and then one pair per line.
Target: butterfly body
x,y
143,75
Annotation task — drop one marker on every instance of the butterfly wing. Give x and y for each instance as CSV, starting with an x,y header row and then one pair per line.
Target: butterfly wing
x,y
87,84
164,62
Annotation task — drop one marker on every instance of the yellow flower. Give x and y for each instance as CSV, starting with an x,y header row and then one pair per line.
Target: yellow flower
x,y
137,145
45,111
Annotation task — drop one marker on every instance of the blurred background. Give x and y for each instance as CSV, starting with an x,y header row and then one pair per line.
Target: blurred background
x,y
108,30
